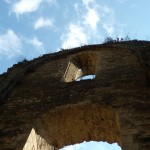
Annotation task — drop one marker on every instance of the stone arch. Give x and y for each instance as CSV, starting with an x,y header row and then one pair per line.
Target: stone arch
x,y
33,88
74,124
81,64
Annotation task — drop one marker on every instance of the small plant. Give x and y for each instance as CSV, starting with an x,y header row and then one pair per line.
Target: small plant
x,y
127,38
22,60
111,40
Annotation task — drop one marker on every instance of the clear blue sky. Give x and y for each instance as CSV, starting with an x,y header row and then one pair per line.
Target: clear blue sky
x,y
30,28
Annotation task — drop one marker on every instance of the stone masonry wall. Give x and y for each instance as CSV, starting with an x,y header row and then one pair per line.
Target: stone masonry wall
x,y
78,123
32,91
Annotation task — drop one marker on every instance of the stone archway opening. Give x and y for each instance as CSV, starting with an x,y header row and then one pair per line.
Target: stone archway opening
x,y
92,145
81,66
73,124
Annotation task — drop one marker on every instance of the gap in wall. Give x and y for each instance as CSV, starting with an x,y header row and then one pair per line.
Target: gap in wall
x,y
86,77
92,145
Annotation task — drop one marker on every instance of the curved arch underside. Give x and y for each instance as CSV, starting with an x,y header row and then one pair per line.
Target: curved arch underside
x,y
76,124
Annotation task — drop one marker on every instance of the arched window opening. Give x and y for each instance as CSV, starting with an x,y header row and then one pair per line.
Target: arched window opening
x,y
92,145
81,66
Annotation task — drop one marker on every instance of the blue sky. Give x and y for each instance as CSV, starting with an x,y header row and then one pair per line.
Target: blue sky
x,y
30,28
93,146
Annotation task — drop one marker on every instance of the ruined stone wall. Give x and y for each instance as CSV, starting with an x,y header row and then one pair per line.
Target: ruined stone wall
x,y
36,142
34,94
78,123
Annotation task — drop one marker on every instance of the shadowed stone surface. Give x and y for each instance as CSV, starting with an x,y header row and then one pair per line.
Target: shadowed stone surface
x,y
42,96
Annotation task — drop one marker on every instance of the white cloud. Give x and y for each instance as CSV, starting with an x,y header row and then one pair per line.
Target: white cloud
x,y
79,33
10,44
37,43
33,44
101,16
107,10
109,28
87,2
92,18
94,21
75,36
41,22
25,6
21,7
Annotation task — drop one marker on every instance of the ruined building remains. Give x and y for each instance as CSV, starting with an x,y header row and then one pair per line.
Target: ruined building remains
x,y
43,107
